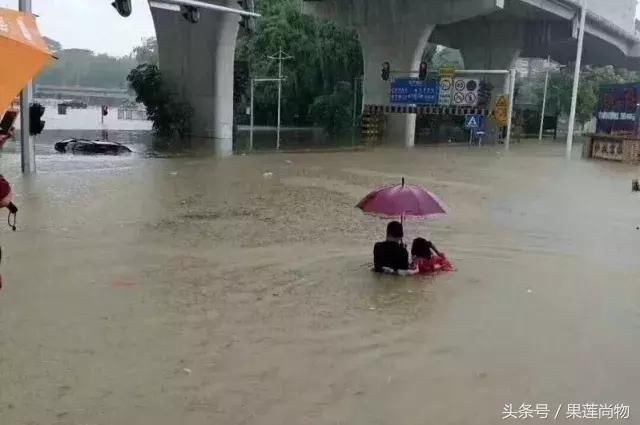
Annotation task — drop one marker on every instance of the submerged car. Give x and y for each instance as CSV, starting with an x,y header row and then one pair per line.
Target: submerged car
x,y
90,147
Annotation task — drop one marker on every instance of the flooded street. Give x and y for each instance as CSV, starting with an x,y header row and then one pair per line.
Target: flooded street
x,y
193,290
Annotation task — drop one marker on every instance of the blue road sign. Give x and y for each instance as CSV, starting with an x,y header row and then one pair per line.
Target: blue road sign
x,y
473,122
410,91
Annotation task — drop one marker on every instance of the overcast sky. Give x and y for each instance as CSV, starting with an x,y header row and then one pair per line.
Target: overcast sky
x,y
94,24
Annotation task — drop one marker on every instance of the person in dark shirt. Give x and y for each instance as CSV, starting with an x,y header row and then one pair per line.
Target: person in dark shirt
x,y
391,254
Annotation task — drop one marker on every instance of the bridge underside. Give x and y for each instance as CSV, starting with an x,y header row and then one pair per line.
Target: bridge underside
x,y
491,34
538,33
199,58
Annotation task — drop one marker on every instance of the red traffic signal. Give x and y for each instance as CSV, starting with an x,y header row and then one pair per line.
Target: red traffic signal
x,y
123,7
386,71
424,70
190,13
36,125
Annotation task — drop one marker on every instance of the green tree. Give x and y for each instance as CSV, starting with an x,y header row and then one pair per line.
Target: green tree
x,y
429,53
334,111
170,116
81,67
323,54
445,56
591,78
54,45
147,52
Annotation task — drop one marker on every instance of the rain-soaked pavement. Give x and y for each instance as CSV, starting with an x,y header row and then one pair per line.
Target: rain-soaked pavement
x,y
192,290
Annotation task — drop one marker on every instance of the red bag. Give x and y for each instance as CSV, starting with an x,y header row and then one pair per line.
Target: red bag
x,y
435,265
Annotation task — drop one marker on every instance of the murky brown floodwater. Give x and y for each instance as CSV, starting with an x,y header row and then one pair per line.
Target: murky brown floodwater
x,y
193,291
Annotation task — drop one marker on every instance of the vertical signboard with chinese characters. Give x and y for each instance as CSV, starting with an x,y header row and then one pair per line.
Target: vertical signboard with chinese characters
x,y
618,109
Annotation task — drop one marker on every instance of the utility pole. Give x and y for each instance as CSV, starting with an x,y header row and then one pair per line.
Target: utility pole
x,y
544,97
512,94
282,56
28,157
576,78
253,89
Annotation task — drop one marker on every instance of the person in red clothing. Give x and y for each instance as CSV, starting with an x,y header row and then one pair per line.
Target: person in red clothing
x,y
6,198
424,260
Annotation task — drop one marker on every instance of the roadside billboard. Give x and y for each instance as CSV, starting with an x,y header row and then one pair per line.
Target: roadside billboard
x,y
617,109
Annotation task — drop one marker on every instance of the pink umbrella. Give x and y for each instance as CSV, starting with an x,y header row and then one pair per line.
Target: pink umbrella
x,y
404,202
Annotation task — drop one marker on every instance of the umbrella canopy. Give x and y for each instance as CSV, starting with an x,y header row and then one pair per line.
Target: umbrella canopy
x,y
403,201
25,54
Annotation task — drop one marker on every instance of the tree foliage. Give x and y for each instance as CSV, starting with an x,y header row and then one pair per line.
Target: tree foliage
x,y
561,86
445,56
170,116
147,52
81,67
334,111
53,45
323,55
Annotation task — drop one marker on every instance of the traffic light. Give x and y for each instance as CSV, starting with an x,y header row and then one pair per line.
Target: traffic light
x,y
484,94
190,13
105,110
424,69
123,7
248,23
241,80
386,71
36,125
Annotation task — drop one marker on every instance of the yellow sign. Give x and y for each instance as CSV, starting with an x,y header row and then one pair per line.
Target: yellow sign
x,y
501,113
447,72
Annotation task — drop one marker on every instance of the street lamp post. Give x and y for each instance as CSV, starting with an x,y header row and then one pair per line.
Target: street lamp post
x,y
576,78
282,56
544,98
545,95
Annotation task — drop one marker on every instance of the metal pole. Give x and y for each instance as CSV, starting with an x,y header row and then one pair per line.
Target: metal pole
x,y
28,156
252,115
355,102
576,78
280,58
544,99
512,92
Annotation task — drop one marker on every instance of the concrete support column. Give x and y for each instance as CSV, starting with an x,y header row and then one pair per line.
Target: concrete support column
x,y
491,58
402,45
199,60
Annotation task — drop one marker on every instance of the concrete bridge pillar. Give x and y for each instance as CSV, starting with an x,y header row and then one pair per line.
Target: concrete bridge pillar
x,y
402,45
491,58
199,60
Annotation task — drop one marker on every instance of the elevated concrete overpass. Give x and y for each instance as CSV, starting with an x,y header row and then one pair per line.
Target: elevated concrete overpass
x,y
199,56
491,34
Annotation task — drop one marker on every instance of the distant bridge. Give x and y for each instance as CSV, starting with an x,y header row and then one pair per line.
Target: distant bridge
x,y
88,95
